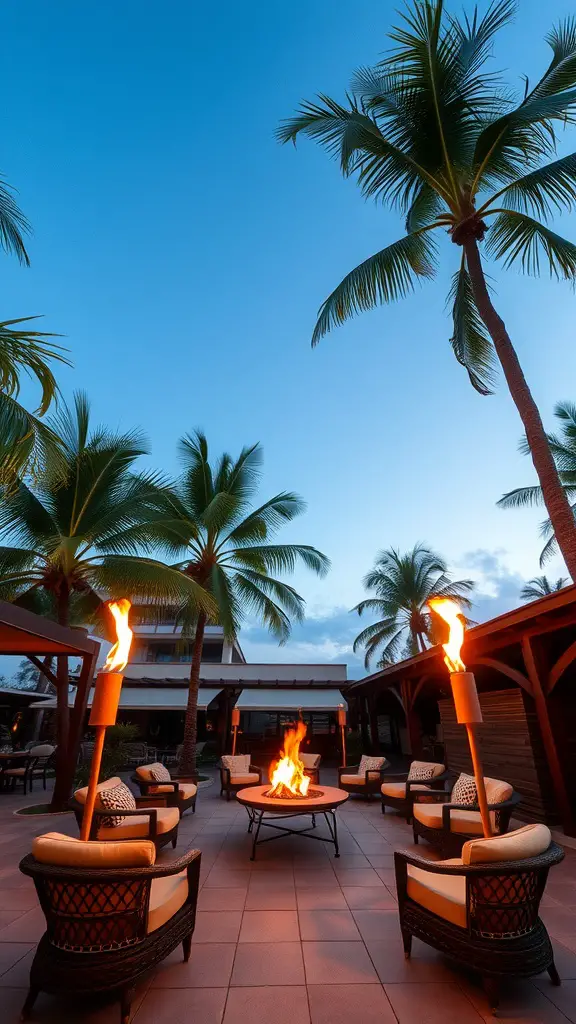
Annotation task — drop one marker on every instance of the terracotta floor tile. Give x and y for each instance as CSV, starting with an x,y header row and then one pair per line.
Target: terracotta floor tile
x,y
227,879
330,898
350,861
273,1005
521,1002
337,963
331,1004
424,966
360,897
217,926
27,927
181,1006
277,963
321,879
337,925
431,1004
18,899
269,926
378,924
272,880
360,876
563,997
271,898
10,954
221,899
210,966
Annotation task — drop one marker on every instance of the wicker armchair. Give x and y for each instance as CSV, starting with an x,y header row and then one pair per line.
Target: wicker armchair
x,y
311,764
238,773
107,925
152,819
179,791
399,791
448,826
367,778
482,909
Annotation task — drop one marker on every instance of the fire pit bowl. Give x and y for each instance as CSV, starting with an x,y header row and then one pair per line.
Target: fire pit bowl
x,y
263,809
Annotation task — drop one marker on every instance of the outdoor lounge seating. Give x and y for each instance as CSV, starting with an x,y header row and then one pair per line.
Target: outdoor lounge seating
x,y
145,820
482,909
25,770
367,778
311,764
236,773
177,791
111,915
448,824
399,790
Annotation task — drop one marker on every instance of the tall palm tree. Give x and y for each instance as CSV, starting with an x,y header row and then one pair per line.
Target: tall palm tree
x,y
541,586
402,586
563,450
75,539
431,132
223,543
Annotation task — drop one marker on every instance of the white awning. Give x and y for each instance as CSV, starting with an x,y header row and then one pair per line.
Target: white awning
x,y
290,700
142,698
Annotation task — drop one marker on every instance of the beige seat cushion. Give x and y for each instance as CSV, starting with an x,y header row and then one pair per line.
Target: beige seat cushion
x,y
167,895
137,826
68,851
529,841
354,780
186,790
81,794
460,821
16,772
443,895
244,780
398,789
497,791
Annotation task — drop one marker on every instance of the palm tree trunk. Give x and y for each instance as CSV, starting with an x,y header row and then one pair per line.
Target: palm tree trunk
x,y
64,771
555,499
187,764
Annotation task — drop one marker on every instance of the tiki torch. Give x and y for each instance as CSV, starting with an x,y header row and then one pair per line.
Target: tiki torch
x,y
465,695
106,698
342,724
235,724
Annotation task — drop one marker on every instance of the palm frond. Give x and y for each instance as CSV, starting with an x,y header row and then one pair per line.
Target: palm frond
x,y
471,341
551,187
13,225
514,236
385,277
561,72
278,558
266,519
521,497
124,575
30,351
255,601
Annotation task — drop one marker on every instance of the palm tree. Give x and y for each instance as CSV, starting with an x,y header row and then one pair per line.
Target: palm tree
x,y
563,450
75,540
540,586
432,132
402,586
223,544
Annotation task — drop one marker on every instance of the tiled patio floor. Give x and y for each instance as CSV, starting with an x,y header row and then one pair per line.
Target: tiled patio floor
x,y
295,938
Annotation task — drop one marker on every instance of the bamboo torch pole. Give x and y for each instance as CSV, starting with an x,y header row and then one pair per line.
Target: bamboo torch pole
x,y
342,724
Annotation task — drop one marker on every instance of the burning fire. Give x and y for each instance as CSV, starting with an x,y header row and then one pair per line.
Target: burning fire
x,y
450,612
118,654
287,775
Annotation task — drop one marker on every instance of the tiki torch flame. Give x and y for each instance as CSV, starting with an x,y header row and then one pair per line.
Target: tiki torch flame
x,y
119,653
450,612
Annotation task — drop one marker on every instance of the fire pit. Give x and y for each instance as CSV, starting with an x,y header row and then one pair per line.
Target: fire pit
x,y
288,795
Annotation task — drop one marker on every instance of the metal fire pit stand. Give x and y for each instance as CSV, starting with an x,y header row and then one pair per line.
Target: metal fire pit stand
x,y
264,811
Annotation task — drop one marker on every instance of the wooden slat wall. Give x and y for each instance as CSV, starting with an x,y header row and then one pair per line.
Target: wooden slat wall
x,y
506,748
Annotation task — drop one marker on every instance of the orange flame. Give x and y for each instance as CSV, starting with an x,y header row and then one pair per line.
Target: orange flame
x,y
119,653
287,775
450,612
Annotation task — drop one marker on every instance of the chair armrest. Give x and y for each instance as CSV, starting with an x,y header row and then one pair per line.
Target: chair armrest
x,y
147,784
396,776
149,812
225,774
254,769
348,769
418,861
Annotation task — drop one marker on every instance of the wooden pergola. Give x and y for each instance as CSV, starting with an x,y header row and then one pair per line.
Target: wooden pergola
x,y
532,647
26,635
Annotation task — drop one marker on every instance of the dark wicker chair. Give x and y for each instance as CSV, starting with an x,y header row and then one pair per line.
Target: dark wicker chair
x,y
25,770
402,791
97,938
231,784
368,784
449,842
312,768
500,934
145,807
181,791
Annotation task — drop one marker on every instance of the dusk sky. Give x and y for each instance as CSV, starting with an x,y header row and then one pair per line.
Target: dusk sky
x,y
184,253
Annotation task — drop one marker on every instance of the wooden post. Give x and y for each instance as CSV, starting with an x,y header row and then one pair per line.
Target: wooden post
x,y
531,660
412,724
373,721
364,723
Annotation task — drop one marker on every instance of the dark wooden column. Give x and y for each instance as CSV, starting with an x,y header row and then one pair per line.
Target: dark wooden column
x,y
364,724
222,729
407,688
534,659
373,720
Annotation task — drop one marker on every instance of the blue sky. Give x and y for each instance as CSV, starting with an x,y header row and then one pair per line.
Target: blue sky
x,y
184,253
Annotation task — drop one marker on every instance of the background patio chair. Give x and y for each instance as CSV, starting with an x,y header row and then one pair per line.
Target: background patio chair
x,y
366,779
20,769
449,825
177,790
398,789
150,819
236,772
111,915
311,764
482,909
